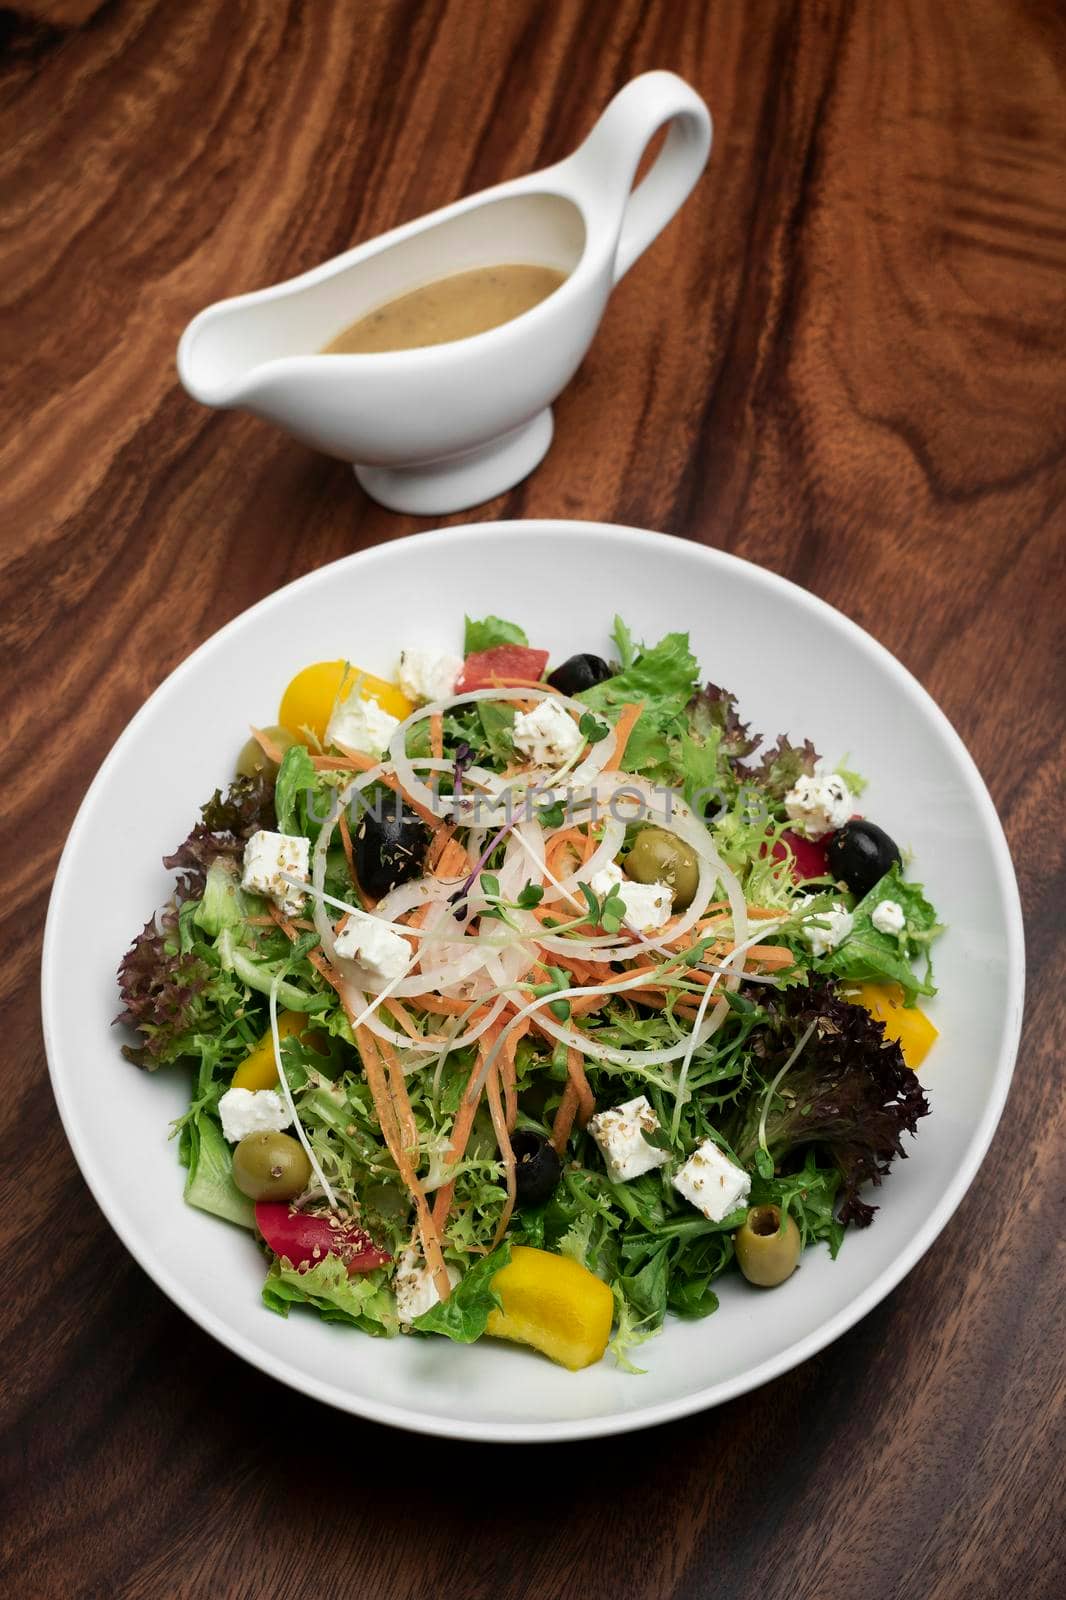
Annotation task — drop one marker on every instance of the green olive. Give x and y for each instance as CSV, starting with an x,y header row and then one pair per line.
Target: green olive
x,y
270,1166
253,759
661,857
766,1253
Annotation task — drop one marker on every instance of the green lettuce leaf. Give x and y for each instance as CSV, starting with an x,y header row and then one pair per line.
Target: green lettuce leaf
x,y
363,1300
209,1185
223,904
497,722
867,955
465,1314
490,631
295,776
662,679
623,639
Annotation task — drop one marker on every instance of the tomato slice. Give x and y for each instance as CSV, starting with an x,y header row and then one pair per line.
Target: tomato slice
x,y
303,1239
809,855
486,667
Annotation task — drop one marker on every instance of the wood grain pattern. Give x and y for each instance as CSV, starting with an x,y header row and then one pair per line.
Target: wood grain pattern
x,y
845,359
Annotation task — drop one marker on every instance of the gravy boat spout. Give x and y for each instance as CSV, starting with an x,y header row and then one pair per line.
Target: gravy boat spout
x,y
441,427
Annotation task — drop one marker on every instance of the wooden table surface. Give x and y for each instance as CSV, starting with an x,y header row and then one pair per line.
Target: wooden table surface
x,y
845,359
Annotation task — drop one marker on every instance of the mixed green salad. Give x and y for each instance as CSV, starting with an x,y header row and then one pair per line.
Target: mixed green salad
x,y
528,1002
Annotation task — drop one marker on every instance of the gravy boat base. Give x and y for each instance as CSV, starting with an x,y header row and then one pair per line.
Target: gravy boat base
x,y
435,488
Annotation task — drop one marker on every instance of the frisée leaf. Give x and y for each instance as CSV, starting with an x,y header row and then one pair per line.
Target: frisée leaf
x,y
488,633
362,1300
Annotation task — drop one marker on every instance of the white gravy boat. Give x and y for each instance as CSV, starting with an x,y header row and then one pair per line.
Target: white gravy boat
x,y
445,426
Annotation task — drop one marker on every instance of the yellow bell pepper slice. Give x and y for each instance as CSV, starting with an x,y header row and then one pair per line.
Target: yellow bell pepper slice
x,y
259,1070
910,1026
309,700
554,1304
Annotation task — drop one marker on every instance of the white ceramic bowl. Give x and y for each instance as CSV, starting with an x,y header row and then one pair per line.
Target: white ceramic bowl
x,y
798,667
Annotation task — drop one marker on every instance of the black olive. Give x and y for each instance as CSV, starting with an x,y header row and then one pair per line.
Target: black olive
x,y
860,853
389,849
537,1168
579,673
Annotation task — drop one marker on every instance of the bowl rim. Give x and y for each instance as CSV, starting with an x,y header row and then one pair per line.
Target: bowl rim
x,y
94,1170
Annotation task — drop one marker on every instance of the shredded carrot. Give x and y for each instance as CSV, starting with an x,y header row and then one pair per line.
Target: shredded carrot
x,y
453,861
436,735
391,1121
272,751
509,1072
584,1004
771,955
579,845
442,1005
564,1118
350,763
652,996
628,718
723,905
575,1066
346,842
462,1128
400,1098
503,681
505,1069
441,840
584,972
403,1017
503,1139
768,955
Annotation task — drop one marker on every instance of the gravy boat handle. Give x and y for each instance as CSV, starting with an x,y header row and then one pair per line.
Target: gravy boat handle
x,y
609,157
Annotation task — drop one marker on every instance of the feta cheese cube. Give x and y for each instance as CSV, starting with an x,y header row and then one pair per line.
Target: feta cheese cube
x,y
888,917
266,857
380,950
361,724
428,674
602,882
414,1287
838,923
819,805
648,905
712,1183
548,734
620,1134
245,1111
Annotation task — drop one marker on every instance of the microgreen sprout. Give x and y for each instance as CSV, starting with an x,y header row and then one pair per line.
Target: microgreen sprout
x,y
605,911
764,1161
593,729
